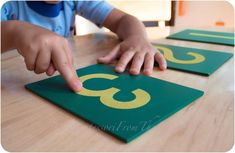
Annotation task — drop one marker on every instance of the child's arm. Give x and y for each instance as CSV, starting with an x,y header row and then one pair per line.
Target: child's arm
x,y
135,46
43,50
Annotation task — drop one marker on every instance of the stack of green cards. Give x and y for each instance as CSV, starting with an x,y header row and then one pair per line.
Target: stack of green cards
x,y
199,61
123,105
222,38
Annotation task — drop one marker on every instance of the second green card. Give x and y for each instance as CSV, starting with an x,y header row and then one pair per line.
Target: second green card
x,y
199,61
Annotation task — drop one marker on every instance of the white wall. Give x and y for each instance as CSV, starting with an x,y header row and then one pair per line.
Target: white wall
x,y
84,26
205,14
198,14
143,9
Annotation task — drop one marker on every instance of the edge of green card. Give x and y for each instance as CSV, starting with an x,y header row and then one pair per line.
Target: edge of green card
x,y
183,35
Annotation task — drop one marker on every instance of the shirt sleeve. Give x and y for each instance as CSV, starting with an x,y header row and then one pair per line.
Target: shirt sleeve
x,y
8,11
95,11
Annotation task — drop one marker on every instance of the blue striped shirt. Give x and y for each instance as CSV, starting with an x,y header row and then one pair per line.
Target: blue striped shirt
x,y
59,17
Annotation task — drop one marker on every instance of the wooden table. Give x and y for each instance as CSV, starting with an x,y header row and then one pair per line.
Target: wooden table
x,y
30,123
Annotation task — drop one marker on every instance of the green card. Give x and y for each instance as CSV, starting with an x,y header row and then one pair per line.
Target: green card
x,y
222,38
198,61
123,105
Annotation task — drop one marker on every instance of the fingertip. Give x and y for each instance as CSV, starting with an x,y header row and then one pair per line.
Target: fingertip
x,y
76,85
134,72
99,60
102,60
163,66
49,73
161,61
119,69
147,72
50,70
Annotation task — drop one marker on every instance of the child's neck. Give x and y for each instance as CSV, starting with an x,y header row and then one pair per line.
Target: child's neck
x,y
52,2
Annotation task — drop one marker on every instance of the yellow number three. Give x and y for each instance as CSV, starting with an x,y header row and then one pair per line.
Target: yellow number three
x,y
106,96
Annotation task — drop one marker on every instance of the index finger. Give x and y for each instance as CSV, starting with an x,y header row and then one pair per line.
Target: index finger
x,y
64,66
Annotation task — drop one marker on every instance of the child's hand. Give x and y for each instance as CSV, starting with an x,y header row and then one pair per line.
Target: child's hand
x,y
45,51
137,51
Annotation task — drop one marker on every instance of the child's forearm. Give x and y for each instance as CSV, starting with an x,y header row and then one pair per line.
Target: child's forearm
x,y
130,26
7,35
125,25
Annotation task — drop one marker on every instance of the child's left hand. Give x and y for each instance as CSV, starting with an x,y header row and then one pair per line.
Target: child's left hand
x,y
137,51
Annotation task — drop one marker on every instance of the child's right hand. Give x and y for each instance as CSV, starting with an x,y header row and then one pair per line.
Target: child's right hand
x,y
45,51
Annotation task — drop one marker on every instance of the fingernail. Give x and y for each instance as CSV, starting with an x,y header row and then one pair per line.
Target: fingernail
x,y
147,72
134,71
119,69
78,86
101,59
164,66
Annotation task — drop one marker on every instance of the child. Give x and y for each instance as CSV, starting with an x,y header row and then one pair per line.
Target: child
x,y
37,30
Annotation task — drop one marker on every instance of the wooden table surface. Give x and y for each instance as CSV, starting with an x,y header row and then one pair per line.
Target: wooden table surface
x,y
30,123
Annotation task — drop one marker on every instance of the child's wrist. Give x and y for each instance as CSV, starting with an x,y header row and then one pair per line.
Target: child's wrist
x,y
12,27
8,32
15,26
136,36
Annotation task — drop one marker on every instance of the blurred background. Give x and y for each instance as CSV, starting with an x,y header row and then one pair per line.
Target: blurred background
x,y
166,13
